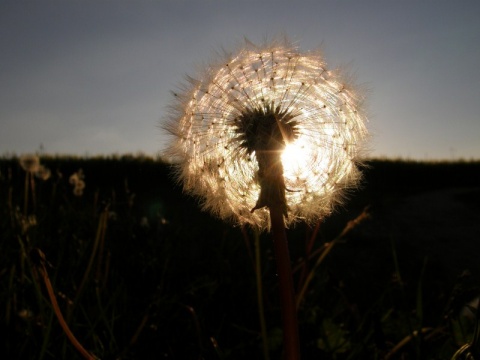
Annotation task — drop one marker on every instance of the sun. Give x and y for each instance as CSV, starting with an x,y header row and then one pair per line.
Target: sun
x,y
294,159
301,161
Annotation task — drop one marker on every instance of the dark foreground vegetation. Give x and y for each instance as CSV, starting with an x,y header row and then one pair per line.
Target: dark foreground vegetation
x,y
139,272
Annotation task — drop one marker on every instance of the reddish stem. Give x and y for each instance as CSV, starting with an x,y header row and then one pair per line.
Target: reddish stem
x,y
287,296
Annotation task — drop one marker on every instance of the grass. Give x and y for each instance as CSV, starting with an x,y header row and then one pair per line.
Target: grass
x,y
139,272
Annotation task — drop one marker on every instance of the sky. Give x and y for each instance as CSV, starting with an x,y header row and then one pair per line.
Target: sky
x,y
90,78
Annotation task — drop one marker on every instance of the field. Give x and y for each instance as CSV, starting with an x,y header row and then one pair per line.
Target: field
x,y
137,271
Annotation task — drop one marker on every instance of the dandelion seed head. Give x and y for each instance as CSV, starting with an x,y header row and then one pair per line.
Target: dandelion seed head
x,y
264,99
29,162
76,179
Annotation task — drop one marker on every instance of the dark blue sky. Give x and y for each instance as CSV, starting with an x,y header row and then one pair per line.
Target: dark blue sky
x,y
94,77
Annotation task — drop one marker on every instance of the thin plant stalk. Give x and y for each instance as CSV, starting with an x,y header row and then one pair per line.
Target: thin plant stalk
x,y
308,250
25,203
327,247
406,340
33,196
285,279
476,332
101,229
471,349
29,183
261,312
51,294
46,337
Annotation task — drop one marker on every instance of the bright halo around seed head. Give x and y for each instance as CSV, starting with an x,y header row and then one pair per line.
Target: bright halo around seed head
x,y
263,99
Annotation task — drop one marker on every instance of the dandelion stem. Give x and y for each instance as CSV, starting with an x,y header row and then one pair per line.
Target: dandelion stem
x,y
25,204
287,296
33,196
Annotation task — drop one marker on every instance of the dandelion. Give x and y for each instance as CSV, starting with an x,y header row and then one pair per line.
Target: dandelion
x,y
268,136
30,163
77,180
267,124
76,177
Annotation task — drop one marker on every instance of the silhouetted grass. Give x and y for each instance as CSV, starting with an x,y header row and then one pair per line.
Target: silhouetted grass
x,y
140,272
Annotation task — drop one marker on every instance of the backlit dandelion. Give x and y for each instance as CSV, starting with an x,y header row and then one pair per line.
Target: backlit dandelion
x,y
267,121
268,136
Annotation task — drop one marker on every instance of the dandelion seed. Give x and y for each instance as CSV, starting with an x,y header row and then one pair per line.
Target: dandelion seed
x,y
267,126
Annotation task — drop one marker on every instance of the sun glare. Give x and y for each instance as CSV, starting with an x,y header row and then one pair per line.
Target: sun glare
x,y
295,160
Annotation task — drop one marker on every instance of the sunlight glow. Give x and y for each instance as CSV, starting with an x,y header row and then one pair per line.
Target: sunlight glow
x,y
295,160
